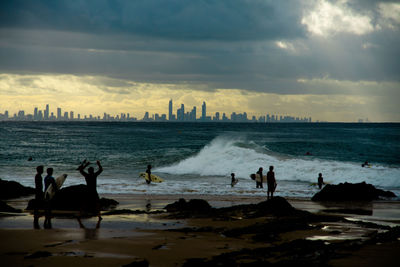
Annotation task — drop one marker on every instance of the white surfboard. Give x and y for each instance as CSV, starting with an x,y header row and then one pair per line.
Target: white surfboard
x,y
264,178
50,192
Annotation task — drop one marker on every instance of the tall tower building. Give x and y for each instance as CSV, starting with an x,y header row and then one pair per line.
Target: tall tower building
x,y
203,111
59,113
170,110
46,112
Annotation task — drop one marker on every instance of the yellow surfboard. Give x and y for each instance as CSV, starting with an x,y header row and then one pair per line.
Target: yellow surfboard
x,y
153,178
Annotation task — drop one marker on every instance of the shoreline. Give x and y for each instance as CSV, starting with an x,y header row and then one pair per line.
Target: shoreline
x,y
162,241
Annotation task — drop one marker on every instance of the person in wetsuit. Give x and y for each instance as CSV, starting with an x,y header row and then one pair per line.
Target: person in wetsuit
x,y
320,180
148,172
93,199
260,173
48,180
271,182
38,195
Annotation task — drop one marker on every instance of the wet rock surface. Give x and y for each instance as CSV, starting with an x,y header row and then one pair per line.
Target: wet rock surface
x,y
12,189
351,192
4,207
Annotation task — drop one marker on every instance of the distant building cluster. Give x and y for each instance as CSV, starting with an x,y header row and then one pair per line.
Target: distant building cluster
x,y
180,116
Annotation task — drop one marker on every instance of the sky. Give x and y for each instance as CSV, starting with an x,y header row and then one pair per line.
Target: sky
x,y
329,60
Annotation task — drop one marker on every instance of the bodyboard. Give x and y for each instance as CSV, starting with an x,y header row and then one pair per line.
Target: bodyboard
x,y
153,178
50,192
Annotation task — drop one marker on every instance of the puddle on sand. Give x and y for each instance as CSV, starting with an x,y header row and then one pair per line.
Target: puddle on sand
x,y
342,231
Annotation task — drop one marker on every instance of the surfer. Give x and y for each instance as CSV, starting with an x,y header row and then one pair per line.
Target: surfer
x,y
259,184
271,182
320,180
91,183
48,180
148,172
365,164
233,180
38,195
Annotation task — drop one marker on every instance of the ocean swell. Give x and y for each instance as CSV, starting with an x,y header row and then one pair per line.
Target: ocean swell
x,y
224,155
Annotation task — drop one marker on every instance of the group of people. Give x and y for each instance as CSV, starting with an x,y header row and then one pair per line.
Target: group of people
x,y
259,178
92,196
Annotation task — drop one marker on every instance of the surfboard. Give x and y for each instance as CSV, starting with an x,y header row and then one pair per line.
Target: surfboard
x,y
264,178
153,178
234,182
50,192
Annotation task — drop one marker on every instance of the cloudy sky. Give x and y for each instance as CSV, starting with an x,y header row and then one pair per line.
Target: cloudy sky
x,y
331,60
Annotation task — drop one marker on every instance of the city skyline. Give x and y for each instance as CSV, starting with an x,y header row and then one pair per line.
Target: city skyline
x,y
180,116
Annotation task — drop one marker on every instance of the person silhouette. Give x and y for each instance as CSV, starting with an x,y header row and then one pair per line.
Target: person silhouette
x,y
320,180
38,195
48,180
259,181
92,197
271,182
148,172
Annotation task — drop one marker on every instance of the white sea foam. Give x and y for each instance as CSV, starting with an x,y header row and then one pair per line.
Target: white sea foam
x,y
226,154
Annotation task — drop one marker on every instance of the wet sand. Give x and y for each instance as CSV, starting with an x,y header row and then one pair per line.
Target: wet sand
x,y
126,238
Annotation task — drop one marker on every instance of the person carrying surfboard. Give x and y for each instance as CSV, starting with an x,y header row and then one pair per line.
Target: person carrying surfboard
x,y
148,172
48,180
233,180
271,182
91,183
259,184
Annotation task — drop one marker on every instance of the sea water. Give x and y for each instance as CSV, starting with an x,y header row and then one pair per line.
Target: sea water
x,y
198,158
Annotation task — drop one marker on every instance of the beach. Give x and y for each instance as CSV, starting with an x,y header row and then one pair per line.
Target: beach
x,y
152,235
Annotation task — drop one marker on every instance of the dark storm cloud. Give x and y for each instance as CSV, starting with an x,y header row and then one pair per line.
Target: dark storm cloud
x,y
172,19
223,44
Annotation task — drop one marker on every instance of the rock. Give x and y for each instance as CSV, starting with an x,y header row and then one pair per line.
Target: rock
x,y
193,205
12,189
75,198
39,254
351,192
137,263
6,208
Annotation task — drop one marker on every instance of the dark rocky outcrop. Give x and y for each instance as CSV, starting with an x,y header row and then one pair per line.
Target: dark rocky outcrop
x,y
296,253
193,205
277,206
74,198
351,192
12,189
6,208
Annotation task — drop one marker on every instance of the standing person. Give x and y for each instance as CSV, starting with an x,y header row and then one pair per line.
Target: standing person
x,y
259,182
271,181
38,195
48,180
233,180
320,180
148,171
91,183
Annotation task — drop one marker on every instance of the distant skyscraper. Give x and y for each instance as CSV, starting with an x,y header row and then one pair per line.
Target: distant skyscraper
x,y
59,113
170,110
35,114
46,112
203,111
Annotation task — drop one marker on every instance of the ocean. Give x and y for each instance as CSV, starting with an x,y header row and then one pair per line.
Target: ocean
x,y
198,158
